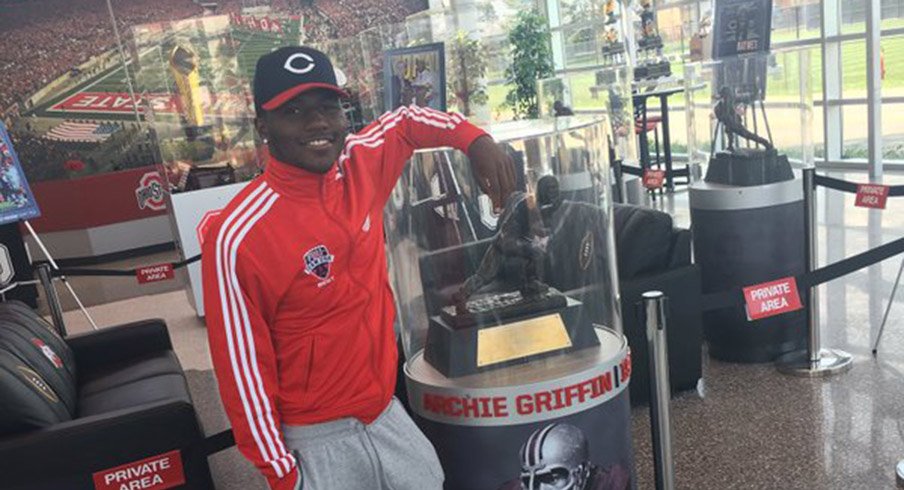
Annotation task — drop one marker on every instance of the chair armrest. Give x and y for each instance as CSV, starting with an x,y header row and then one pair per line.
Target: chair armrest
x,y
681,249
80,447
119,343
684,329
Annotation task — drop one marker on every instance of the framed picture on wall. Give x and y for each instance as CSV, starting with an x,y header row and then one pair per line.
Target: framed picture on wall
x,y
741,27
17,203
415,75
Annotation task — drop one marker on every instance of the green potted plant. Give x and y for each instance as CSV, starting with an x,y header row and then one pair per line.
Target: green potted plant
x,y
531,61
467,73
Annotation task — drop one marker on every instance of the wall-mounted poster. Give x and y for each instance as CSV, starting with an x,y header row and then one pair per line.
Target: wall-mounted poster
x,y
415,76
741,27
17,203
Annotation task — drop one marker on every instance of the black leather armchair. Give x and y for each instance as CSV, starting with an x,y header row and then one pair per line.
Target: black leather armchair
x,y
72,407
653,255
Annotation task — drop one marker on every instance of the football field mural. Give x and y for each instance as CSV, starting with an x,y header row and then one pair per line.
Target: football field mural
x,y
195,72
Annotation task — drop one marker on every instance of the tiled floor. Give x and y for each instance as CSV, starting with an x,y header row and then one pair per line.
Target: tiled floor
x,y
749,427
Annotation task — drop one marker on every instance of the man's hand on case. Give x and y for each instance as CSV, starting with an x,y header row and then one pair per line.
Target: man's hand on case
x,y
493,169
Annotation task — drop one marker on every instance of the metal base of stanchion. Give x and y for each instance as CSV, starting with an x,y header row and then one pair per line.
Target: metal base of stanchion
x,y
831,362
899,470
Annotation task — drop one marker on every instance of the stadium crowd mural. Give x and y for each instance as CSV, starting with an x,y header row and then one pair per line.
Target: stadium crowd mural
x,y
71,43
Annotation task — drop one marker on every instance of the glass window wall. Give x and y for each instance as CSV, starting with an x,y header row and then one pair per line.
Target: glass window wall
x,y
797,23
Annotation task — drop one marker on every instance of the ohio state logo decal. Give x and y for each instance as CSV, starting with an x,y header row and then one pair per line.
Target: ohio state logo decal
x,y
150,192
317,263
48,353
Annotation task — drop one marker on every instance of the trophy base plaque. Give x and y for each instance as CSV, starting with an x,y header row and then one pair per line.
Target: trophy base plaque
x,y
650,42
746,167
652,70
493,343
489,309
612,49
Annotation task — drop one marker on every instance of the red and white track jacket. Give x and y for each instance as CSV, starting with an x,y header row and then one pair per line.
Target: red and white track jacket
x,y
296,289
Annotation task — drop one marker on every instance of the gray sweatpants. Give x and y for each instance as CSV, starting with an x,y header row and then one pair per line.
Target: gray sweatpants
x,y
391,453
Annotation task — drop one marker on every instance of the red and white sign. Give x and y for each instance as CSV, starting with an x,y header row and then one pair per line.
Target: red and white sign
x,y
155,273
155,473
204,224
224,104
112,102
653,179
48,353
150,192
871,196
524,404
266,24
104,199
772,298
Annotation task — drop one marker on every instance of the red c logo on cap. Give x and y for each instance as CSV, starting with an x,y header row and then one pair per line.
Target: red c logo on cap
x,y
300,71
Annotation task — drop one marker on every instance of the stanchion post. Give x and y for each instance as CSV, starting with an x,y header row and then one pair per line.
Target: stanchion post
x,y
891,300
53,300
660,390
812,256
620,189
694,173
817,361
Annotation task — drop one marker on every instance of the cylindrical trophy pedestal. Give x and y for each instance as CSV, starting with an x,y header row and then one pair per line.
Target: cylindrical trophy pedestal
x,y
494,429
745,236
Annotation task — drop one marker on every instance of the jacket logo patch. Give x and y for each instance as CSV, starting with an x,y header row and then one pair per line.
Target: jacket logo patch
x,y
317,263
366,226
48,353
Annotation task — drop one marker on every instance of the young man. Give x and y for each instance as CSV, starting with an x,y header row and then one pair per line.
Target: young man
x,y
296,290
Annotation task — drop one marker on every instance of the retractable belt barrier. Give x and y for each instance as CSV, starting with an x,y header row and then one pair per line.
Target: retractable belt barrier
x,y
714,301
215,443
628,169
76,271
728,299
851,187
637,171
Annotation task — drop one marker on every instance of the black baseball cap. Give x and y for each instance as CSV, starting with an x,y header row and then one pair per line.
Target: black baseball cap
x,y
283,74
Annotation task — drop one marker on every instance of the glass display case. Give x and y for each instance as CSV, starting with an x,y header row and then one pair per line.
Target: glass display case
x,y
459,266
510,322
616,35
614,85
651,63
696,156
367,52
194,81
554,97
753,129
193,78
348,58
750,106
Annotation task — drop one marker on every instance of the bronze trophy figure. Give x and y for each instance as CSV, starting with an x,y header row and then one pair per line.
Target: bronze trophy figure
x,y
514,263
728,117
505,312
747,158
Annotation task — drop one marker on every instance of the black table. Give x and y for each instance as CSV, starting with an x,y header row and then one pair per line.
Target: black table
x,y
640,97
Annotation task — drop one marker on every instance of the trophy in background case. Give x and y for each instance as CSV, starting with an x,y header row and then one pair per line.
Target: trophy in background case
x,y
613,42
742,37
651,64
748,156
184,67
